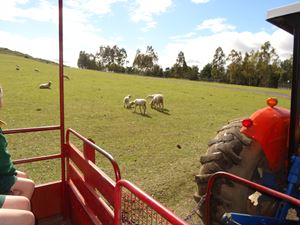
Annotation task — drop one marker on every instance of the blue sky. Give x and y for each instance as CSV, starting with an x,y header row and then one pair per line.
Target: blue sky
x,y
196,27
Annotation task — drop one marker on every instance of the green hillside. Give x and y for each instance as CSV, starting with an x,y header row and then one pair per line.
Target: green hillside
x,y
158,152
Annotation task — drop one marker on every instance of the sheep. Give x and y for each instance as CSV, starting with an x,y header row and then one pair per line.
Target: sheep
x,y
66,77
46,85
141,103
36,70
157,101
17,67
126,101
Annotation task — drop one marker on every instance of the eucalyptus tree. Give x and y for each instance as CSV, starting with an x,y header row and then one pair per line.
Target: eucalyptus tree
x,y
146,63
234,69
218,66
111,58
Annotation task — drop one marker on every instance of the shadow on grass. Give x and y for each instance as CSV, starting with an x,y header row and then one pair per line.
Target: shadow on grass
x,y
164,111
141,114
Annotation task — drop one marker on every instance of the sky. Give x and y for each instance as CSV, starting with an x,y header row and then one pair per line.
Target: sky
x,y
196,27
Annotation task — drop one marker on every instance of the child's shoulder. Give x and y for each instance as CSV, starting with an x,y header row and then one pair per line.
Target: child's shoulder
x,y
1,132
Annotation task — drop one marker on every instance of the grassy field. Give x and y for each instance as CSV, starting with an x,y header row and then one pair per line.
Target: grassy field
x,y
146,147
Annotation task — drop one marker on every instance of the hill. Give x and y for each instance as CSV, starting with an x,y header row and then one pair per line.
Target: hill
x,y
16,53
146,147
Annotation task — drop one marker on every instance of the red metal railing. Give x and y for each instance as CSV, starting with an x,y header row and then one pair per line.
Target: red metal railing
x,y
245,182
98,149
32,130
133,206
90,190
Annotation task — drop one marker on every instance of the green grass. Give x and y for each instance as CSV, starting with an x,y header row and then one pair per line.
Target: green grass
x,y
144,146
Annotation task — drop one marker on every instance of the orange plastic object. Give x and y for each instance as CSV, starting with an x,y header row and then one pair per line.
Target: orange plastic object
x,y
272,102
270,128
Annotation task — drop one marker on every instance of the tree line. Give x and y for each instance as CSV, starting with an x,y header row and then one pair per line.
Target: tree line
x,y
262,67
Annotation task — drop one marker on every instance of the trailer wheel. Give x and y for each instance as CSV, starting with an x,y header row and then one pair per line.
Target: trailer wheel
x,y
233,152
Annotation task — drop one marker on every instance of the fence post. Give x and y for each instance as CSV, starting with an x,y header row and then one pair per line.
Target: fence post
x,y
89,152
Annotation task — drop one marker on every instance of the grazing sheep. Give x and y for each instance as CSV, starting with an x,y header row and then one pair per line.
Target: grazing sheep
x,y
17,67
36,70
157,101
46,85
66,77
126,101
141,103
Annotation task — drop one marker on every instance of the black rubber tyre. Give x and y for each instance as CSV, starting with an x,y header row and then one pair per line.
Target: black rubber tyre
x,y
233,152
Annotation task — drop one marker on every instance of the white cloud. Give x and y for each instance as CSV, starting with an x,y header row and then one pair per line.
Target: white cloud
x,y
79,32
200,1
200,50
149,26
33,46
215,25
180,37
145,10
11,11
95,7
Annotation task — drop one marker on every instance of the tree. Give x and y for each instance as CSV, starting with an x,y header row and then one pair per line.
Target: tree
x,y
145,62
82,60
234,69
205,73
112,59
286,75
249,68
86,61
218,66
180,68
192,73
180,61
268,66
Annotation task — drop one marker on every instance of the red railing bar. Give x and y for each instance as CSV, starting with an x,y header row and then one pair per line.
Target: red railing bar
x,y
161,210
98,149
62,102
94,219
31,129
36,159
245,182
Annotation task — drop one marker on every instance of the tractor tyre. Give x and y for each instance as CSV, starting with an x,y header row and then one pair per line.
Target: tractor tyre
x,y
233,152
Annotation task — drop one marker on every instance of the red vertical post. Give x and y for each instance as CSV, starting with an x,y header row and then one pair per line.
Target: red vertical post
x,y
89,154
61,105
89,151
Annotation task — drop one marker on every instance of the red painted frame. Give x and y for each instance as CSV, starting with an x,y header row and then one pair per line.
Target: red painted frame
x,y
157,208
245,182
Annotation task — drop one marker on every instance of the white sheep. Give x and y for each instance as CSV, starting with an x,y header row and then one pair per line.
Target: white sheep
x,y
66,77
36,70
126,101
46,85
157,101
141,103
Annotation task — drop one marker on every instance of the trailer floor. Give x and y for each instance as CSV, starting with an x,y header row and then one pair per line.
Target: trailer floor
x,y
54,220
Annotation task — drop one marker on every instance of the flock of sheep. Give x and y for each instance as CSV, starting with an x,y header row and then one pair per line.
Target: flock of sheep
x,y
156,102
44,85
